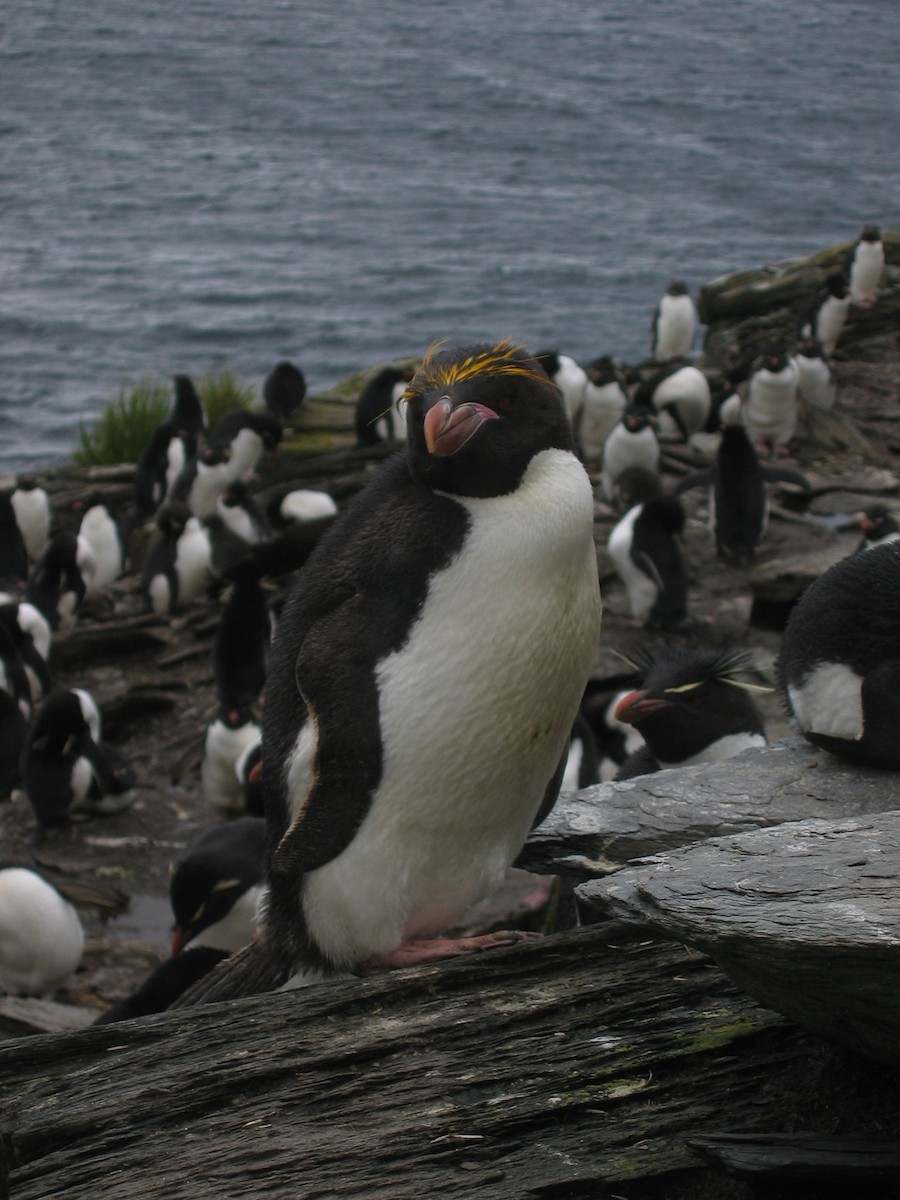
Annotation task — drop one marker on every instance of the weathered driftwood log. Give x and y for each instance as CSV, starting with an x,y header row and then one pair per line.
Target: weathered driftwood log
x,y
805,917
555,1068
597,830
836,1167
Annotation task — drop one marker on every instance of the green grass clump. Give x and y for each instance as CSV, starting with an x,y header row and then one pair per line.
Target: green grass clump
x,y
221,391
125,426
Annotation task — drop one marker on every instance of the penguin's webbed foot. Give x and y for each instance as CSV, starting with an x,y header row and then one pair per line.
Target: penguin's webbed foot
x,y
413,953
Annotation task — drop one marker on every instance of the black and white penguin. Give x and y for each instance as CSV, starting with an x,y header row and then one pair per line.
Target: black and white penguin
x,y
242,514
583,759
824,314
864,266
284,391
179,563
30,631
605,400
569,377
633,486
240,650
166,984
56,584
173,445
101,530
632,443
816,386
13,554
394,802
738,502
674,323
57,758
230,732
31,506
645,547
681,396
769,408
244,435
839,663
202,482
878,525
379,416
248,769
13,731
13,678
693,706
41,936
215,890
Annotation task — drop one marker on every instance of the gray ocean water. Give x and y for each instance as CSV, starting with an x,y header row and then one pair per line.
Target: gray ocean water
x,y
188,183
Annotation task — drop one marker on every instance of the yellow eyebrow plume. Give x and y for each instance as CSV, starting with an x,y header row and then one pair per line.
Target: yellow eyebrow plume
x,y
491,361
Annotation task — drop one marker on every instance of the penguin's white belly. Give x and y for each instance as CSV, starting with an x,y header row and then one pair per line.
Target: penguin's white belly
x,y
476,710
32,511
238,520
572,381
624,450
107,554
676,327
306,505
814,383
208,485
222,789
642,590
245,452
868,267
688,390
601,412
41,939
830,322
193,562
771,408
829,701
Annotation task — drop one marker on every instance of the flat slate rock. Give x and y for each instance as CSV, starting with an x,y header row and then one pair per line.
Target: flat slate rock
x,y
805,917
598,830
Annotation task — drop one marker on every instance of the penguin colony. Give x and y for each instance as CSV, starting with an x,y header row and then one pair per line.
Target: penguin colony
x,y
348,672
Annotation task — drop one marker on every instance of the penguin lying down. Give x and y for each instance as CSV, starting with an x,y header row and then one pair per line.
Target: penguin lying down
x,y
400,781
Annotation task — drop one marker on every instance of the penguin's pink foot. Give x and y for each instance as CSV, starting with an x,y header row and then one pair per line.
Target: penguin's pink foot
x,y
413,953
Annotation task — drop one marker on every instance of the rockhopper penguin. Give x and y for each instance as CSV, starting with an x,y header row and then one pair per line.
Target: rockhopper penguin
x,y
425,677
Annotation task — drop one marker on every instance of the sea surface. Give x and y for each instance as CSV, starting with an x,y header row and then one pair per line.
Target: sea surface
x,y
190,183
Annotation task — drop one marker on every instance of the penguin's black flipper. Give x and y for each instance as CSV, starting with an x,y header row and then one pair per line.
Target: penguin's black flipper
x,y
255,969
774,474
701,478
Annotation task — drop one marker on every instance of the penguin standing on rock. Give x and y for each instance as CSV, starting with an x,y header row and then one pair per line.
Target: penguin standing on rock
x,y
633,443
864,266
284,391
605,400
692,707
228,735
56,585
178,565
815,380
378,416
394,802
32,509
173,445
101,530
242,639
824,314
645,547
738,503
770,407
674,323
58,759
839,663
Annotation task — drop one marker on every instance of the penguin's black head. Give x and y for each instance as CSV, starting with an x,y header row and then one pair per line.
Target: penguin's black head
x,y
549,360
236,494
219,866
691,697
284,390
677,288
637,418
26,483
60,730
602,371
477,415
774,359
811,348
172,520
837,285
213,457
870,233
635,485
876,521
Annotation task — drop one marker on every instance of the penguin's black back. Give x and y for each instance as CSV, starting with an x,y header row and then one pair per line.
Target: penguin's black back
x,y
240,649
284,390
739,494
655,535
376,400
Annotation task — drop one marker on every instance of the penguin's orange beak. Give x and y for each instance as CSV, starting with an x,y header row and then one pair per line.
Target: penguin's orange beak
x,y
447,429
637,705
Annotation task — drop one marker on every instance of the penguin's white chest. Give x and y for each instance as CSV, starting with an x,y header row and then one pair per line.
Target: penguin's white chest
x,y
222,788
624,450
642,590
830,321
193,561
676,327
829,702
32,512
771,408
476,711
601,412
246,451
815,385
99,531
688,390
207,487
867,270
41,938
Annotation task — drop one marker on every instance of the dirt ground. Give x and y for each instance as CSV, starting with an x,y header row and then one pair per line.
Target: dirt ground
x,y
153,683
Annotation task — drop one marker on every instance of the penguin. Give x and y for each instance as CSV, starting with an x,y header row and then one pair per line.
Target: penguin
x,y
179,563
822,315
680,395
56,585
632,443
57,759
216,889
864,266
248,769
244,435
240,650
30,633
13,679
645,548
408,743
378,416
101,531
112,785
32,512
228,735
769,409
284,391
605,400
13,554
674,323
202,482
615,740
286,506
173,445
13,731
163,986
692,707
838,667
815,380
633,486
241,513
583,759
878,526
41,936
569,377
738,503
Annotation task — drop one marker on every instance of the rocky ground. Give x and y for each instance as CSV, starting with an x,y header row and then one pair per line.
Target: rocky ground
x,y
152,677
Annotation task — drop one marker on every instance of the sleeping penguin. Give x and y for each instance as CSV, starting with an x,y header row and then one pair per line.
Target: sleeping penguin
x,y
409,743
693,706
839,663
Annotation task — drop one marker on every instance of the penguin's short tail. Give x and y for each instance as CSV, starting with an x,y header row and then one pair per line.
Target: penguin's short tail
x,y
248,972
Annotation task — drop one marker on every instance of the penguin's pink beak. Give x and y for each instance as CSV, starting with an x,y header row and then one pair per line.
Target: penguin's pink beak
x,y
637,705
447,429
